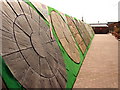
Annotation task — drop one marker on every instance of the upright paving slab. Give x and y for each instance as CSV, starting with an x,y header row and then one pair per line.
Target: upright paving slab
x,y
40,47
31,55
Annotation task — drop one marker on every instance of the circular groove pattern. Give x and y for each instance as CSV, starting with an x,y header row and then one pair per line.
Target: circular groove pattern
x,y
76,34
81,31
84,33
65,36
36,60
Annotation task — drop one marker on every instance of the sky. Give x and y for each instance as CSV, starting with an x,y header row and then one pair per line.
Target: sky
x,y
92,11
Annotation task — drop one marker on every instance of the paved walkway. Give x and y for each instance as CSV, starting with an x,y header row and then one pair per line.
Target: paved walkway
x,y
100,67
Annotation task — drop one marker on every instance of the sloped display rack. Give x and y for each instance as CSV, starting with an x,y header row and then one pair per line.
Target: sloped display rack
x,y
40,46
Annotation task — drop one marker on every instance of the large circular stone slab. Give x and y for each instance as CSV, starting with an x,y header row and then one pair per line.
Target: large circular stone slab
x,y
29,51
76,34
65,36
81,31
85,31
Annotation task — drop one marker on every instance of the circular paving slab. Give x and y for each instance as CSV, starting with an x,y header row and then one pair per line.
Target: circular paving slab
x,y
29,51
65,36
76,34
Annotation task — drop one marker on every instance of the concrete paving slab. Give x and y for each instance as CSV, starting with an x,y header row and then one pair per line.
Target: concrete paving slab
x,y
100,67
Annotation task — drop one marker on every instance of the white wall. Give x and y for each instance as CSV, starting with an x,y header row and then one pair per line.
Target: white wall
x,y
119,11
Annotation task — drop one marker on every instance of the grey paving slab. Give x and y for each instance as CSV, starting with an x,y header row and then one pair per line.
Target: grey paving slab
x,y
54,83
28,49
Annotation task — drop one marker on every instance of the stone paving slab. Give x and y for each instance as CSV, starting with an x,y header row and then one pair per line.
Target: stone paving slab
x,y
28,49
100,67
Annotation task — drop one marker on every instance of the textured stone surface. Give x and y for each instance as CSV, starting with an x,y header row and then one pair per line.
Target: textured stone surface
x,y
80,30
28,49
88,30
76,34
84,32
100,67
65,36
42,8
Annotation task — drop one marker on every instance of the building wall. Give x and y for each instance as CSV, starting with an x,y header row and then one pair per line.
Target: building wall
x,y
114,28
101,30
119,11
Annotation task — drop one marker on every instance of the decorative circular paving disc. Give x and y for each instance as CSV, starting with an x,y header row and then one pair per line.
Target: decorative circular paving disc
x,y
81,31
65,36
84,33
76,34
85,30
42,8
88,30
31,54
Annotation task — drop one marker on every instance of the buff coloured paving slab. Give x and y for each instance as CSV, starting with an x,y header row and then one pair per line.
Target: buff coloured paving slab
x,y
100,67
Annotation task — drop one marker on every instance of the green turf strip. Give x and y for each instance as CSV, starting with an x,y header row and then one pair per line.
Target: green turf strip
x,y
32,6
8,78
72,68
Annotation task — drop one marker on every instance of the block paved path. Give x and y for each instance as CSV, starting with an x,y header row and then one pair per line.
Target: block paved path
x,y
100,67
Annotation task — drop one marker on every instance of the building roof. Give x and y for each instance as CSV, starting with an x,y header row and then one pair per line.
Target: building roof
x,y
99,25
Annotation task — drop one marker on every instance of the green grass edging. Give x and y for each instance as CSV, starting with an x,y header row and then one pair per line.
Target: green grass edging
x,y
72,68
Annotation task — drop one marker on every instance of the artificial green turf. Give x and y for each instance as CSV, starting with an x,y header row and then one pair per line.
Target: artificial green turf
x,y
72,68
